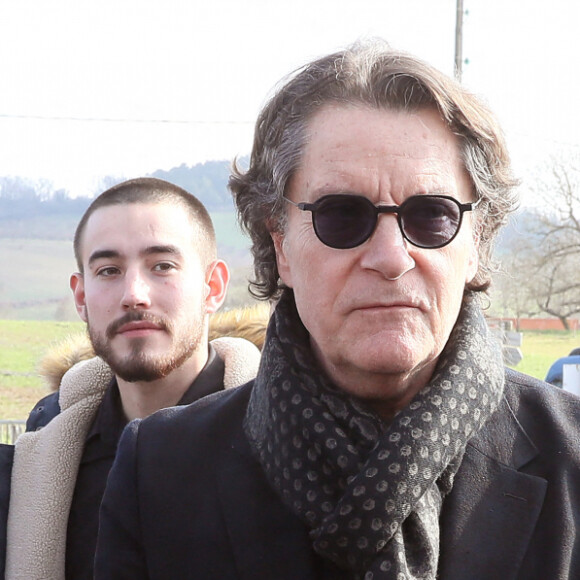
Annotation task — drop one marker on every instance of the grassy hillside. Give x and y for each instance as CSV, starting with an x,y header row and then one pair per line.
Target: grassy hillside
x,y
24,343
34,286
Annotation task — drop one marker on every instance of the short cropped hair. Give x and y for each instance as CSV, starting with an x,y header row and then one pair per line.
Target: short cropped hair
x,y
369,75
145,190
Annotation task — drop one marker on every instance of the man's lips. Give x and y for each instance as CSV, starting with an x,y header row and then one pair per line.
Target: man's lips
x,y
135,323
139,327
386,305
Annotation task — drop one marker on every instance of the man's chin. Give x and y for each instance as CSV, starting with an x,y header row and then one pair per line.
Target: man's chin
x,y
137,372
140,365
139,377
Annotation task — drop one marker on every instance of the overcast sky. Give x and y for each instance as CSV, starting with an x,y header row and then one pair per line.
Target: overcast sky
x,y
123,87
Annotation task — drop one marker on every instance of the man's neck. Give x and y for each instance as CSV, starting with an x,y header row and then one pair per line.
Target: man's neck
x,y
141,399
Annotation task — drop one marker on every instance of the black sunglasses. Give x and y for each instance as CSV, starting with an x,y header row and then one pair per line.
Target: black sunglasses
x,y
344,221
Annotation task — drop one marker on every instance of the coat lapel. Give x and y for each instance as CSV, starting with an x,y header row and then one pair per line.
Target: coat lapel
x,y
268,541
491,501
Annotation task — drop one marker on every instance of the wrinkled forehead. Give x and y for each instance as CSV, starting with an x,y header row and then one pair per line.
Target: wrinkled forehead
x,y
349,145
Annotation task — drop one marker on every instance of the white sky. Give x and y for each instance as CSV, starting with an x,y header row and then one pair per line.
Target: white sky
x,y
206,66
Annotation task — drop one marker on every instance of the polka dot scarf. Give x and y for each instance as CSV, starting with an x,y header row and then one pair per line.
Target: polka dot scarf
x,y
370,492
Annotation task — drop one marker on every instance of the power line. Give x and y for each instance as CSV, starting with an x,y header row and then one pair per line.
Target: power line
x,y
121,120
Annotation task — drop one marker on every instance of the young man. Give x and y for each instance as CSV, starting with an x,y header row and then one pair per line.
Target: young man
x,y
148,278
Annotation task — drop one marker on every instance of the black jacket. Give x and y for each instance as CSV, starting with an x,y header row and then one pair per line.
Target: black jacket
x,y
186,498
6,459
44,412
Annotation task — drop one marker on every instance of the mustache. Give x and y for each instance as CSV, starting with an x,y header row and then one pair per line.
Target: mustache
x,y
136,316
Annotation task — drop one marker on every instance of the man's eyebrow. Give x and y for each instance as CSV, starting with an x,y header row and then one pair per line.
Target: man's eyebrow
x,y
149,251
99,254
168,249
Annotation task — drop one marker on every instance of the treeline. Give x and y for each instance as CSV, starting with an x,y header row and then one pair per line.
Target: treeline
x,y
22,198
36,208
207,181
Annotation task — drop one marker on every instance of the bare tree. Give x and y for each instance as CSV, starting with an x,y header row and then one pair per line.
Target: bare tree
x,y
510,297
548,252
106,182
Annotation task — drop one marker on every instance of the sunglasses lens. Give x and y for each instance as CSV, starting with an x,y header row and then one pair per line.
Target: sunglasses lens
x,y
430,222
344,221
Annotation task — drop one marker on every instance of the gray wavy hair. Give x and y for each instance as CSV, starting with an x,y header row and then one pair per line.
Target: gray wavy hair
x,y
369,74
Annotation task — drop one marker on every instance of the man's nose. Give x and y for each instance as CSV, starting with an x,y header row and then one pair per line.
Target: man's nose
x,y
137,291
387,250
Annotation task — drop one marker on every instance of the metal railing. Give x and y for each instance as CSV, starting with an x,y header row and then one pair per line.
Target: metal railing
x,y
10,430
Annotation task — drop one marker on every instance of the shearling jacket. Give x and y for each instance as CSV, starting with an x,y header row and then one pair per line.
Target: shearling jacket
x,y
46,463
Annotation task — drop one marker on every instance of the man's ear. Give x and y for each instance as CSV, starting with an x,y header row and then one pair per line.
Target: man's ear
x,y
217,279
77,285
281,259
473,264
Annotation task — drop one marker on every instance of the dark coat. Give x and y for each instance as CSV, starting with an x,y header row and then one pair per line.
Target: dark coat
x,y
6,460
44,412
186,498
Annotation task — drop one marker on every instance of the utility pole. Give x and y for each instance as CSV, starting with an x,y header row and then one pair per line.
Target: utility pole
x,y
459,40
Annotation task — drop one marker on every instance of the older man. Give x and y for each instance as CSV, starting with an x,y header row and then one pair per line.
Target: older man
x,y
148,280
382,436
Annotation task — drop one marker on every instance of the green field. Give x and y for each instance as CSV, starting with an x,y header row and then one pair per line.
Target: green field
x,y
24,343
542,348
